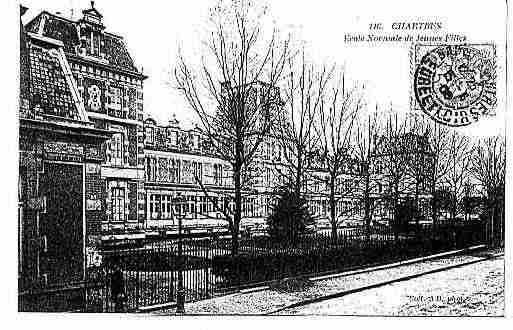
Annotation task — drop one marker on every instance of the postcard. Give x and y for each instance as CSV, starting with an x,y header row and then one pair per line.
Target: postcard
x,y
236,157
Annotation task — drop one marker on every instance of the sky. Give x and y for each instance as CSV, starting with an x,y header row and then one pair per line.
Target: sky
x,y
154,30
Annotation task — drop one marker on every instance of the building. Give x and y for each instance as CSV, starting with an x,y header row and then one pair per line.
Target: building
x,y
60,193
403,166
348,195
180,162
110,88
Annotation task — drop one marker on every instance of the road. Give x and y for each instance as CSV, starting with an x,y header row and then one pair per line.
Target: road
x,y
476,290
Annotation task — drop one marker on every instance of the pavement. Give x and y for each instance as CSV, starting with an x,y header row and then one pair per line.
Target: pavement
x,y
472,290
279,300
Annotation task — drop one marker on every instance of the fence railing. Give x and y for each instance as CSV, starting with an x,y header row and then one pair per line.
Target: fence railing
x,y
149,274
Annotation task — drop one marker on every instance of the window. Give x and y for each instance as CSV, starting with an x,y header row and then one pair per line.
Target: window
x,y
195,142
150,135
115,97
151,164
161,207
153,207
173,171
174,138
167,139
177,170
95,44
268,177
198,172
116,149
148,169
166,207
185,172
192,205
163,175
118,204
218,174
157,207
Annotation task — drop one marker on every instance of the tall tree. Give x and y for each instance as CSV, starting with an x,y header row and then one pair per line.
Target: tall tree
x,y
363,147
459,152
470,202
234,93
418,156
336,118
438,166
303,96
488,168
391,157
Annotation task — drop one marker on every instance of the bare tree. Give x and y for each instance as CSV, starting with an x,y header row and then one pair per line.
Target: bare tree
x,y
418,156
459,152
235,92
334,125
390,157
438,165
488,168
296,132
363,146
470,201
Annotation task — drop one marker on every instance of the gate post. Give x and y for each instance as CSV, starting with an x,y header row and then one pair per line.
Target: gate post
x,y
207,264
180,294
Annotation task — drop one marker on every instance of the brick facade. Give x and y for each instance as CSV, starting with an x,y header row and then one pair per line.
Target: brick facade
x,y
110,88
60,188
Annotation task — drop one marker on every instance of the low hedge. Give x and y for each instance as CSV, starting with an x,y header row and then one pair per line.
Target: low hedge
x,y
253,268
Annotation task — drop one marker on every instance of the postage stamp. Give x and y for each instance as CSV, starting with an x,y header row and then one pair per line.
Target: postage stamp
x,y
454,85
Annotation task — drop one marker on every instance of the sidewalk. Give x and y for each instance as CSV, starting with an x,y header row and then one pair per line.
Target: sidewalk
x,y
271,300
472,290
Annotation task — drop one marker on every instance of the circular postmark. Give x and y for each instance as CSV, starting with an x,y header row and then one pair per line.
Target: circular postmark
x,y
455,84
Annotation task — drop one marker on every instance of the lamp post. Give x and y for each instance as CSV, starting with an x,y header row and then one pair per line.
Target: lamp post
x,y
180,293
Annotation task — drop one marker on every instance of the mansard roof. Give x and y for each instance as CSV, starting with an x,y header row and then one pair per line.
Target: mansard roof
x,y
63,29
52,89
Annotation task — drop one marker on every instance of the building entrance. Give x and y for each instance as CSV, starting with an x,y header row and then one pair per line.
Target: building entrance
x,y
61,231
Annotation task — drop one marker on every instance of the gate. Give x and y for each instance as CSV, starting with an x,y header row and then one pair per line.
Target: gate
x,y
57,250
61,225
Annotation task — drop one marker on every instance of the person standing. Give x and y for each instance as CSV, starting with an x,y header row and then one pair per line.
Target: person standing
x,y
117,286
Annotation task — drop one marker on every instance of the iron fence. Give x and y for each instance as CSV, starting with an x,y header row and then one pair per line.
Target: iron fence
x,y
147,273
150,273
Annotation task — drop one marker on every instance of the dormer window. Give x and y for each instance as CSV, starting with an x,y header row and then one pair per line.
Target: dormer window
x,y
95,43
195,142
92,19
174,138
92,15
91,29
150,135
